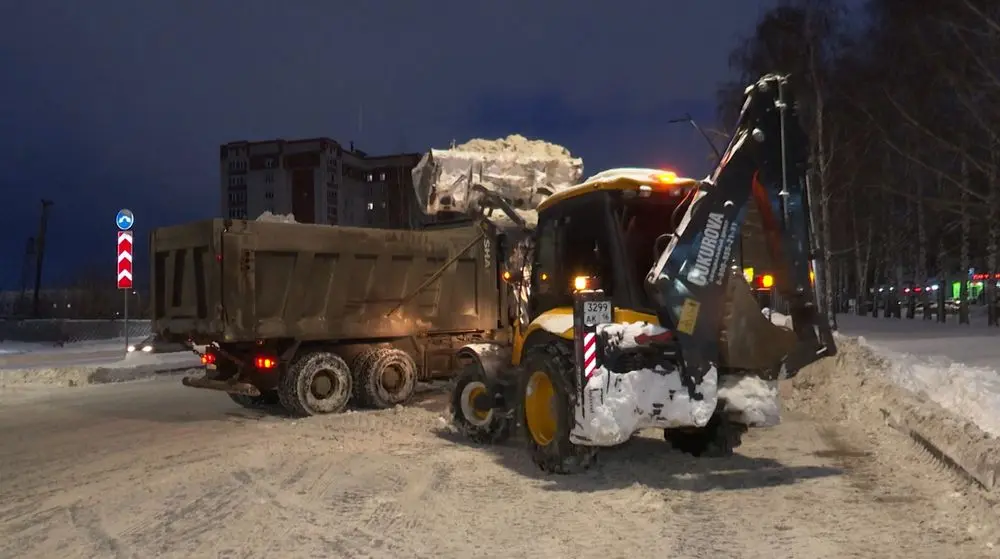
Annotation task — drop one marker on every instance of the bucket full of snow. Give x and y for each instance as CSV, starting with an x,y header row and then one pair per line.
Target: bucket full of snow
x,y
522,171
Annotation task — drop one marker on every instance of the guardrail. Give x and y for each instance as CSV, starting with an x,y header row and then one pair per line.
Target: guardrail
x,y
63,331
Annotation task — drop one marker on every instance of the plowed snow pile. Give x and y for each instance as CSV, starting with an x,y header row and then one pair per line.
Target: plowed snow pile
x,y
523,171
136,366
856,385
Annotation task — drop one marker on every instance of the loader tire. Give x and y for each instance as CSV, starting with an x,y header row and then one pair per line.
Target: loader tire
x,y
547,404
387,379
316,383
264,401
720,438
492,427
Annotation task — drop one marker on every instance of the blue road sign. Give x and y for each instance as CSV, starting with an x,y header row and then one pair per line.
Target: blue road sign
x,y
124,219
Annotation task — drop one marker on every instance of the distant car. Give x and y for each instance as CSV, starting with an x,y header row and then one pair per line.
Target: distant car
x,y
152,344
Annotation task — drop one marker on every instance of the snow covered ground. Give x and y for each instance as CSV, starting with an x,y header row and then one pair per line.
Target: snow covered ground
x,y
957,366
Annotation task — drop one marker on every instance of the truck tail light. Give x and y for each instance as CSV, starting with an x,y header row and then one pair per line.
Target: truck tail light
x,y
265,362
208,358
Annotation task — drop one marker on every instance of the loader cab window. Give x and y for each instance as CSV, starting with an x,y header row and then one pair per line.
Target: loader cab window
x,y
641,222
571,240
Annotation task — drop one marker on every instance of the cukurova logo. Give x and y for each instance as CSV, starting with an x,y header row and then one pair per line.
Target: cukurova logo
x,y
708,249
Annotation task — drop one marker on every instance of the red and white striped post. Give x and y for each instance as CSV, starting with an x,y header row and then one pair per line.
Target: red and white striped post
x,y
590,308
125,252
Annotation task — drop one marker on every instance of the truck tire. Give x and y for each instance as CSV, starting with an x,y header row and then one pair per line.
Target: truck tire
x,y
480,428
263,401
547,404
362,362
720,438
387,379
316,383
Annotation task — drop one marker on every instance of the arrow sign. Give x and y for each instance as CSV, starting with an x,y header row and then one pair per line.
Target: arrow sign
x,y
125,260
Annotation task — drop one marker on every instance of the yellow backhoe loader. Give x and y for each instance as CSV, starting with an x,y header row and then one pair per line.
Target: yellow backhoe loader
x,y
631,313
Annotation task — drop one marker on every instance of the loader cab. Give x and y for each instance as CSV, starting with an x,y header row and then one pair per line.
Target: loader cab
x,y
605,230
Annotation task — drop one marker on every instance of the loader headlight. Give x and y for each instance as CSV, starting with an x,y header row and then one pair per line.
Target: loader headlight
x,y
580,283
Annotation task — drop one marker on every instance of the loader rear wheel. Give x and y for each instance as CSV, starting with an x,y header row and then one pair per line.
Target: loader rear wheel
x,y
387,379
316,383
480,427
548,403
265,400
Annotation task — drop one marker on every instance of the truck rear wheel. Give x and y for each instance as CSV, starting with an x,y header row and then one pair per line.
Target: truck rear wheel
x,y
265,400
387,379
480,427
359,364
548,404
316,383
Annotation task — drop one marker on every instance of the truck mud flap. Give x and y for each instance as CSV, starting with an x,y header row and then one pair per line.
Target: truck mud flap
x,y
243,388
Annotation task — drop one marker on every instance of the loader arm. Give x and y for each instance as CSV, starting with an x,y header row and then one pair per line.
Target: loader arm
x,y
766,162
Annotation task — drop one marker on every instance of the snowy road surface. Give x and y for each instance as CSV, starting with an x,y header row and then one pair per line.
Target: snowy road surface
x,y
154,469
975,344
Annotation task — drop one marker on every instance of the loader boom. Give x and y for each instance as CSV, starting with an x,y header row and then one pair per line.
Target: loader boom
x,y
766,162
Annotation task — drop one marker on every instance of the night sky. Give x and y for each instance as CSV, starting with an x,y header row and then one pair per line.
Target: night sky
x,y
118,103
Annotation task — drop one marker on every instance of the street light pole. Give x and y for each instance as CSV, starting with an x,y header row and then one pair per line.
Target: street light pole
x,y
40,253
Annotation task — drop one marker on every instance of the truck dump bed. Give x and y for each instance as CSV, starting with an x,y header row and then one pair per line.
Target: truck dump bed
x,y
235,281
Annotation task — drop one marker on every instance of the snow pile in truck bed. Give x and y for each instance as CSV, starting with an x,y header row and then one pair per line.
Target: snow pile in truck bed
x,y
523,171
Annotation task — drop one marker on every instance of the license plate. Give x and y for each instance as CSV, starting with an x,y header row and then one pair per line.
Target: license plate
x,y
597,312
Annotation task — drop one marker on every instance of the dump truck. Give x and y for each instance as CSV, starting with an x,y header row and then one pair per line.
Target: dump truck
x,y
316,317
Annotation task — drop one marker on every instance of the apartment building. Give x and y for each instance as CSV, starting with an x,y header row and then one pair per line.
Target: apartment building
x,y
318,181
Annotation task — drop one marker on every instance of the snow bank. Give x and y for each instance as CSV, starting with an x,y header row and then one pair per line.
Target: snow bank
x,y
14,348
955,366
523,171
972,393
135,366
860,385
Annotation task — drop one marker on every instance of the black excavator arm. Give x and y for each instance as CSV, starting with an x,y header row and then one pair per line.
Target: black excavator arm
x,y
765,162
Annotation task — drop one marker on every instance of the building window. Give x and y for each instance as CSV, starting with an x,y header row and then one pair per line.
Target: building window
x,y
269,163
371,206
369,177
269,177
237,198
269,195
381,177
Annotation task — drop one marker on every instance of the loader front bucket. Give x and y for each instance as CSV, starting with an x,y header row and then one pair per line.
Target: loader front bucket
x,y
749,340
